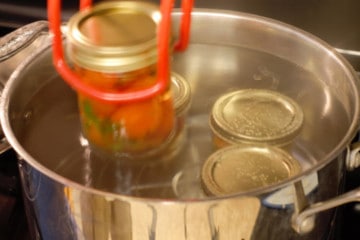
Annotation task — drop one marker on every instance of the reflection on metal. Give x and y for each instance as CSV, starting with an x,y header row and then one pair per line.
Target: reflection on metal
x,y
353,156
213,230
93,217
266,75
31,181
152,228
234,219
301,202
348,52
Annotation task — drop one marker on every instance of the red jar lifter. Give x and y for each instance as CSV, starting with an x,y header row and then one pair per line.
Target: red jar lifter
x,y
54,16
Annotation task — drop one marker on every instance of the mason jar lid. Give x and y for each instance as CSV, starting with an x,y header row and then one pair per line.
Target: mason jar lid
x,y
114,36
236,169
181,93
256,116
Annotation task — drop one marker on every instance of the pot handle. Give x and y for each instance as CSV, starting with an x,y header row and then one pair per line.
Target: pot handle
x,y
13,43
304,219
22,37
303,222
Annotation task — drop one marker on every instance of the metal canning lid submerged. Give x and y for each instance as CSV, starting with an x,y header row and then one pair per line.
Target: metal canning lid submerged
x,y
181,93
256,115
114,36
236,169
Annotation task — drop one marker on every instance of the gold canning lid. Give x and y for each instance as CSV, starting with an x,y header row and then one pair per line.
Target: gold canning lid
x,y
181,92
114,36
256,116
236,169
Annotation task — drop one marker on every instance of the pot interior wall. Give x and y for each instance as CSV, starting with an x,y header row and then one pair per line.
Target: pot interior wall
x,y
250,52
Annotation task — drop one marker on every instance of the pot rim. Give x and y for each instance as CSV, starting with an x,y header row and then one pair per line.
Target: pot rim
x,y
329,157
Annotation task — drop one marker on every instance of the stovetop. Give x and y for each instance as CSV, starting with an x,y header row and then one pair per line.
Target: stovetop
x,y
336,22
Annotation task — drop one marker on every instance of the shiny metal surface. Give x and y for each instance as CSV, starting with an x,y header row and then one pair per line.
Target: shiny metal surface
x,y
68,204
13,43
14,48
18,45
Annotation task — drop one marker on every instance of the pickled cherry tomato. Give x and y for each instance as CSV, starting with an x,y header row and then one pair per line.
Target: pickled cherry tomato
x,y
132,127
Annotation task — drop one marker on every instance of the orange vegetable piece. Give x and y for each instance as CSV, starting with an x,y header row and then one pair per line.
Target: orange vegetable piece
x,y
96,136
100,80
139,119
130,127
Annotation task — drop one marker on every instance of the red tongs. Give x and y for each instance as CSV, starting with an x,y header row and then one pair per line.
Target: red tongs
x,y
54,16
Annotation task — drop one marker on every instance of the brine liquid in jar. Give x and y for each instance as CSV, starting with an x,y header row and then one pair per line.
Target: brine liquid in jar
x,y
113,47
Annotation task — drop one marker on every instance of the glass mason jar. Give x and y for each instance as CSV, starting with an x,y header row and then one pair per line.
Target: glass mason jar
x,y
113,47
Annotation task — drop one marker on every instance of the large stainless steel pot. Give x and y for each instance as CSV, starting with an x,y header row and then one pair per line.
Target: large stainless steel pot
x,y
74,195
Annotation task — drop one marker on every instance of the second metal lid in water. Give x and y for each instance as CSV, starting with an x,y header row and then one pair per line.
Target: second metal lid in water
x,y
181,92
256,116
236,169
